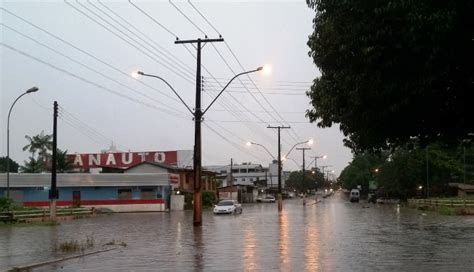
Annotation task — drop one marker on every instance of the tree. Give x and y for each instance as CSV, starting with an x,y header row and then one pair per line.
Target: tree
x,y
32,166
40,143
3,165
361,170
63,165
295,181
393,70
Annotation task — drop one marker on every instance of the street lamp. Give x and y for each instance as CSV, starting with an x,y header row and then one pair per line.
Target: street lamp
x,y
30,90
309,142
198,114
266,149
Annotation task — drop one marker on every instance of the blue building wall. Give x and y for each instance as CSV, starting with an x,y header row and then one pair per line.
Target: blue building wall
x,y
87,193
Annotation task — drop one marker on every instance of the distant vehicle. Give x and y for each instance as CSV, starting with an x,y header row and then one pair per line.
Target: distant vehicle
x,y
227,207
354,195
266,199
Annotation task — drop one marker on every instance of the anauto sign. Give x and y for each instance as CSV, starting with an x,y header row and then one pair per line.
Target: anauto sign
x,y
122,159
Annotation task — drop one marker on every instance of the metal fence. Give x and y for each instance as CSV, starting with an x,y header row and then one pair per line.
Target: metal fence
x,y
453,203
44,214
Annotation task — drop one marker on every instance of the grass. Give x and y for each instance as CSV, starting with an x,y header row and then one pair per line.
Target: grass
x,y
75,245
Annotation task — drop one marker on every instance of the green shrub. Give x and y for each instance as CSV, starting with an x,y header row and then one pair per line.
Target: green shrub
x,y
6,204
208,199
446,210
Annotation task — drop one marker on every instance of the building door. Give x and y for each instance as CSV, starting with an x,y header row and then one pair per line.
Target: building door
x,y
76,198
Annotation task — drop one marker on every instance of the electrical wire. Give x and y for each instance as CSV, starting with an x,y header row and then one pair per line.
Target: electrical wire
x,y
87,54
163,59
168,54
168,108
86,80
123,39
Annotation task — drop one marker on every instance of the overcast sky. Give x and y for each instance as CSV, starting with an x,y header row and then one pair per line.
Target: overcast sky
x,y
89,77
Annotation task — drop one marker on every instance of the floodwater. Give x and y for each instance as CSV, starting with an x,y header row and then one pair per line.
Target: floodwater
x,y
332,235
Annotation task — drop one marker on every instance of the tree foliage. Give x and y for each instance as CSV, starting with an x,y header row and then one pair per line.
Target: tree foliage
x,y
40,147
312,181
32,166
393,70
407,167
3,165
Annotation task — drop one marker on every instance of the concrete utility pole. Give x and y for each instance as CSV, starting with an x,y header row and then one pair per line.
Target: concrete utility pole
x,y
197,163
231,181
198,113
280,203
53,192
304,167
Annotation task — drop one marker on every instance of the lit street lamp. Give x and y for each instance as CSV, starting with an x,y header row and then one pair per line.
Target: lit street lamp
x,y
198,114
30,90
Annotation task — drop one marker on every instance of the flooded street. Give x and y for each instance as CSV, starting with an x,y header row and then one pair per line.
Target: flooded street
x,y
333,235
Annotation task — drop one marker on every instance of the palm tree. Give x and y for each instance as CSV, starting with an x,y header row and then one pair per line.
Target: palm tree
x,y
63,165
40,143
32,166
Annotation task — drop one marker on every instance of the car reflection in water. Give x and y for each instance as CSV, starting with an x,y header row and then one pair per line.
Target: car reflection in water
x,y
268,199
227,207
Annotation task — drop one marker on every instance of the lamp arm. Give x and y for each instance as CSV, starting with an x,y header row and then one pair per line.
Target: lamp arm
x,y
171,87
228,83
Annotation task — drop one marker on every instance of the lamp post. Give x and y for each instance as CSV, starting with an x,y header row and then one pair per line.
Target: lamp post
x,y
30,90
198,115
309,142
266,149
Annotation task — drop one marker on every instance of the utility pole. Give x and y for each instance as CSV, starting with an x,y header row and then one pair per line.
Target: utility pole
x,y
197,162
280,203
53,192
231,181
323,167
304,168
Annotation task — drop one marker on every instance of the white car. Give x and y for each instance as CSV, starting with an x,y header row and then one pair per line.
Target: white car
x,y
268,198
227,207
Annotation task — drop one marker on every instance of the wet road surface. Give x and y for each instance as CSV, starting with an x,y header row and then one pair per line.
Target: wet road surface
x,y
332,235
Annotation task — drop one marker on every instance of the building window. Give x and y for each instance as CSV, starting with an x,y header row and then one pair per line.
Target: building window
x,y
125,193
147,193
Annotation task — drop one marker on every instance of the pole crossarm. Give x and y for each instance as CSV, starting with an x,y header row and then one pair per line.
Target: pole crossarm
x,y
171,87
228,83
198,41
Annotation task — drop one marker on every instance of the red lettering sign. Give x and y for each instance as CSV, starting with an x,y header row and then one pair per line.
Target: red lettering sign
x,y
122,159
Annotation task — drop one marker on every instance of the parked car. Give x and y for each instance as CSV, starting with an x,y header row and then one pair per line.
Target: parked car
x,y
227,207
267,199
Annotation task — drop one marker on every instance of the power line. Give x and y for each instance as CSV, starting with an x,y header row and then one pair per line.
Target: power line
x,y
86,80
182,13
248,76
147,15
94,131
171,64
297,138
169,109
120,37
207,21
168,54
87,53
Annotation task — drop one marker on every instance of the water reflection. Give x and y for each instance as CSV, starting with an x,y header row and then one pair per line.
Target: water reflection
x,y
283,240
250,244
199,249
312,248
330,236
